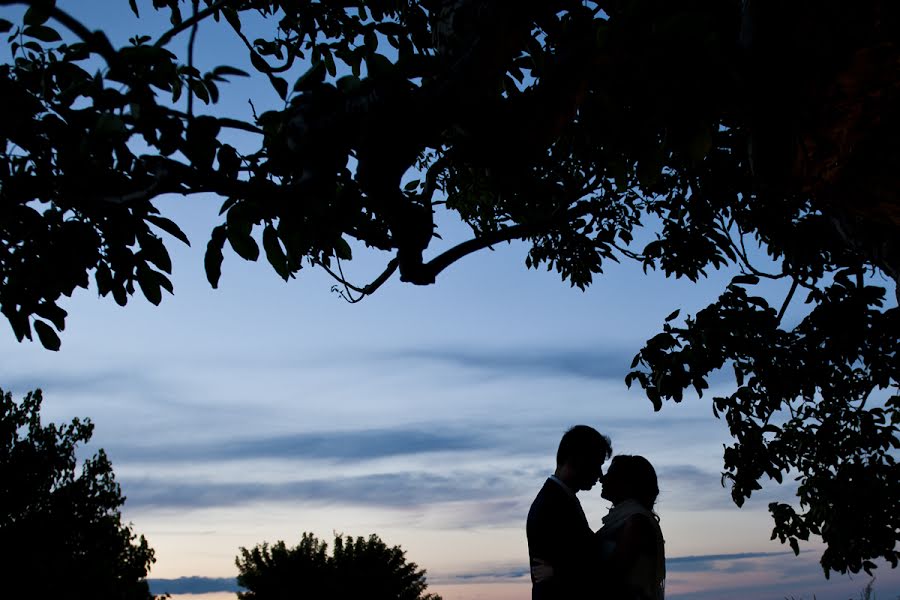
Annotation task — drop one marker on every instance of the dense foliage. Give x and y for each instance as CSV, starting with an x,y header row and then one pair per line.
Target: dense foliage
x,y
356,568
724,124
61,534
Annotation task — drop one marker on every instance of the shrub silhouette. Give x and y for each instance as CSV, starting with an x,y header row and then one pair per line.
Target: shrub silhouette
x,y
357,568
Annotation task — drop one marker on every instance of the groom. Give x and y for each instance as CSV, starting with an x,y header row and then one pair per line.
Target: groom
x,y
560,541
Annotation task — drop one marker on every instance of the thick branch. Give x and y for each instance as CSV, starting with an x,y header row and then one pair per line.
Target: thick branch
x,y
430,270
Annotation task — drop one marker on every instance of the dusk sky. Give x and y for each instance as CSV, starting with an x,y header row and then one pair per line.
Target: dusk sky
x,y
427,415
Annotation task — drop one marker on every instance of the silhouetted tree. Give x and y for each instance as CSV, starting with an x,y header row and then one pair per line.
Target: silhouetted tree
x,y
726,124
61,534
357,568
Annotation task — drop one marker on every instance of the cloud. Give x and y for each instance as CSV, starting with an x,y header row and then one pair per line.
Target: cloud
x,y
54,382
193,585
693,488
713,562
387,490
516,362
481,514
326,445
679,564
500,572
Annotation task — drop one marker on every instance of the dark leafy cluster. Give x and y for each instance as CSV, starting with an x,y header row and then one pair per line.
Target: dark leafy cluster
x,y
61,532
746,136
357,568
812,403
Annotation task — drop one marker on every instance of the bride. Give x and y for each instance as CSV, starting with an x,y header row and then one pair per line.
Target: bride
x,y
631,542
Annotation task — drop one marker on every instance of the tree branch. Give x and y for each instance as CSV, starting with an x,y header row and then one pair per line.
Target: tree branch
x,y
95,39
431,177
190,99
363,291
189,23
431,269
269,70
787,300
222,121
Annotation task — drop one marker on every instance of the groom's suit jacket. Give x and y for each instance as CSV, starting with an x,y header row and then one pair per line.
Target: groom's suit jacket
x,y
559,534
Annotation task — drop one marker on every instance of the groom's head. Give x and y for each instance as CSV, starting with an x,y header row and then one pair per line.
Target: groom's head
x,y
580,457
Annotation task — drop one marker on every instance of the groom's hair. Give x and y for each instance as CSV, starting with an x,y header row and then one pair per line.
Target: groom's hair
x,y
582,442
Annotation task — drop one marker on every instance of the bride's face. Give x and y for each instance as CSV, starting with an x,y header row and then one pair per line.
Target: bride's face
x,y
613,489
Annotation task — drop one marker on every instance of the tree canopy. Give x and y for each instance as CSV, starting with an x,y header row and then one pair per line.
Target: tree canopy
x,y
722,125
61,534
357,568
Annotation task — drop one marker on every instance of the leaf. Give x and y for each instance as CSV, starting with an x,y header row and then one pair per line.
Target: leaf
x,y
165,283
745,280
243,243
231,15
39,12
313,76
149,284
378,65
229,161
274,254
53,313
281,86
43,33
342,249
177,88
227,204
155,252
213,90
120,294
134,8
673,315
259,63
212,261
168,226
199,90
48,337
225,71
371,40
5,26
103,277
329,63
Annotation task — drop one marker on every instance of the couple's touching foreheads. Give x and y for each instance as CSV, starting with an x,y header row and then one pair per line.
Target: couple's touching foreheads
x,y
625,558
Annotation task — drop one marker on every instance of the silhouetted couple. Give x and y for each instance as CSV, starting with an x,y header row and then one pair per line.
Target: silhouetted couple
x,y
624,559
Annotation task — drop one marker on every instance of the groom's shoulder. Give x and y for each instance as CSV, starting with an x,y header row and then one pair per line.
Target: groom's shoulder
x,y
550,494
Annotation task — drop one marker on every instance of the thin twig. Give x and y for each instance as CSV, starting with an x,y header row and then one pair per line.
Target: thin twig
x,y
741,252
193,39
431,177
349,297
787,300
269,69
189,23
363,291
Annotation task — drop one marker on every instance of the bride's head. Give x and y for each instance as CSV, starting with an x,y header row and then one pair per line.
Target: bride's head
x,y
631,477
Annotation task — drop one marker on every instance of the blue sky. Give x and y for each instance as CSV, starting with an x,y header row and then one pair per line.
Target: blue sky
x,y
428,415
